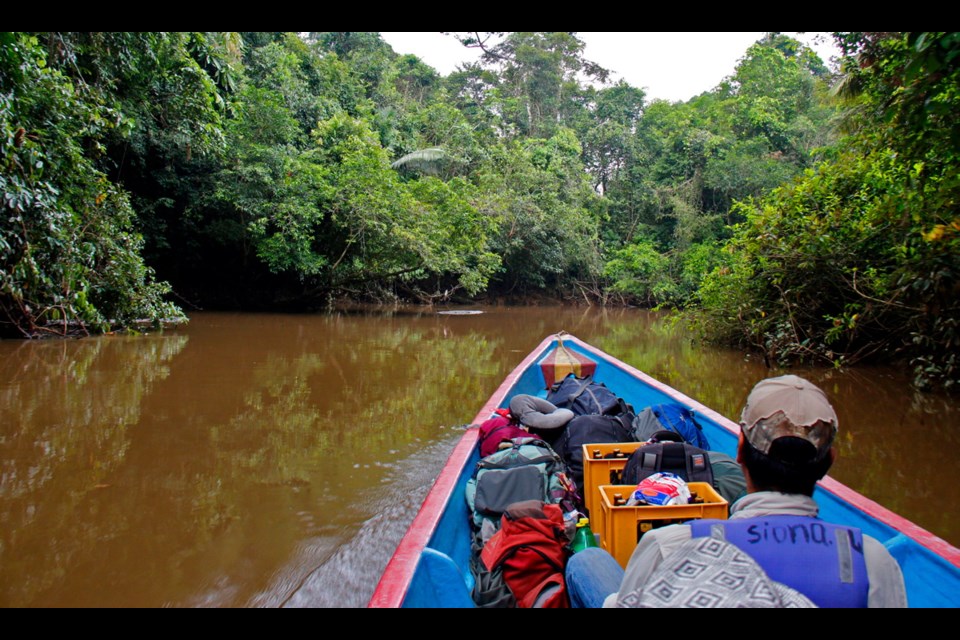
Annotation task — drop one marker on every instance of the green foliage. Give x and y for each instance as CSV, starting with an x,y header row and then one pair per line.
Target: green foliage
x,y
747,168
909,84
696,264
279,70
415,81
365,52
358,204
675,180
773,88
424,160
541,199
455,234
860,258
838,267
167,86
538,79
339,216
439,125
639,271
608,137
643,275
69,257
265,168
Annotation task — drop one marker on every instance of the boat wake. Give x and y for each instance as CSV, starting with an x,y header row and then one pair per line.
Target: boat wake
x,y
347,576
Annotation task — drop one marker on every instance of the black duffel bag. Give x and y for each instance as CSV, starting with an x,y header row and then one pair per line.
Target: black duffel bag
x,y
584,396
591,429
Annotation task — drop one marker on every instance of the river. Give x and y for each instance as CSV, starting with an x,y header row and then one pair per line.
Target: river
x,y
263,460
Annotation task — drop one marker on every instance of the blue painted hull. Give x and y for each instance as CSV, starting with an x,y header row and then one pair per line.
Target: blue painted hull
x,y
431,565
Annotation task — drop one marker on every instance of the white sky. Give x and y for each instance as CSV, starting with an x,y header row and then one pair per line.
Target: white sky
x,y
674,66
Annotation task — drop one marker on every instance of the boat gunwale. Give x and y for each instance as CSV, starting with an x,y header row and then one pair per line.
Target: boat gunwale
x,y
398,574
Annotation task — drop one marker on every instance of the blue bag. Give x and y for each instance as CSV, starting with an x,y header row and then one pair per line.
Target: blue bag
x,y
671,416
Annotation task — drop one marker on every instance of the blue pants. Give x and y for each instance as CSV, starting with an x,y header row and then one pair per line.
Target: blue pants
x,y
592,575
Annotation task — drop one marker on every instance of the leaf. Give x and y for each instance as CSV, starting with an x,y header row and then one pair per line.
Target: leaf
x,y
421,159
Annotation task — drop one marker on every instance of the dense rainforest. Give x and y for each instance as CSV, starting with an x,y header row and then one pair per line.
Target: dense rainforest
x,y
805,212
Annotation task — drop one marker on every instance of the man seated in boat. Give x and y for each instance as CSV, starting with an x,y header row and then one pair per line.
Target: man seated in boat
x,y
785,446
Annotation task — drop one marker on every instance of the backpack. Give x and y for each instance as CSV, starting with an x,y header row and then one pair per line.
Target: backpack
x,y
682,458
498,429
583,396
590,429
674,417
523,564
528,470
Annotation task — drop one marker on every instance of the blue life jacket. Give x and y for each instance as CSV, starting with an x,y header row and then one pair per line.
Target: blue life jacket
x,y
822,561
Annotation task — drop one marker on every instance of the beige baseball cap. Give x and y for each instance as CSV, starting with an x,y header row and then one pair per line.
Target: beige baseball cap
x,y
788,406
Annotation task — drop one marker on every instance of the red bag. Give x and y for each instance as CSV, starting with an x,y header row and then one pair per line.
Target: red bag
x,y
497,429
531,551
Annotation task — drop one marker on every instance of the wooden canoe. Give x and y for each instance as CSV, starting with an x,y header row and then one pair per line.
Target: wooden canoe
x,y
430,567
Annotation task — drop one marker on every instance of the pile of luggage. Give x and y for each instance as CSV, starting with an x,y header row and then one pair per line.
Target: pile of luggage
x,y
526,494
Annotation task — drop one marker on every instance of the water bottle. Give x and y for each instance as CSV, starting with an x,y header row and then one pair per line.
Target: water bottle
x,y
584,536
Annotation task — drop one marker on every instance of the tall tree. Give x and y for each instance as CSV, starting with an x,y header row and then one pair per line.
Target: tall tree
x,y
609,133
540,77
547,214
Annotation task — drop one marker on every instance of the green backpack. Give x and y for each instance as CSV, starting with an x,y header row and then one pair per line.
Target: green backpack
x,y
528,470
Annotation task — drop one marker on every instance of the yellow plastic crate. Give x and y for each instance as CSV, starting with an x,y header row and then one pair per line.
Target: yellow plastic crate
x,y
596,471
623,526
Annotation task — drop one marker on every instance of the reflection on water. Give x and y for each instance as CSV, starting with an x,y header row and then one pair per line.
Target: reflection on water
x,y
67,409
268,460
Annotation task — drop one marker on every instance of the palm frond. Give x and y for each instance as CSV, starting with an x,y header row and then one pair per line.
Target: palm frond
x,y
425,160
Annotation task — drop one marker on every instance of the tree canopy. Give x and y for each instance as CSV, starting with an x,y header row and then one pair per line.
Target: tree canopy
x,y
858,257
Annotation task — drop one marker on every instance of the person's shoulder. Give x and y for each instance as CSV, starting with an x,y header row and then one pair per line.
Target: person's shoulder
x,y
668,537
669,531
875,548
877,555
658,543
887,588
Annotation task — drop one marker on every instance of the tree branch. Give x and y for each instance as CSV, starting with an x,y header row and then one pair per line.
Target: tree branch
x,y
475,41
889,303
